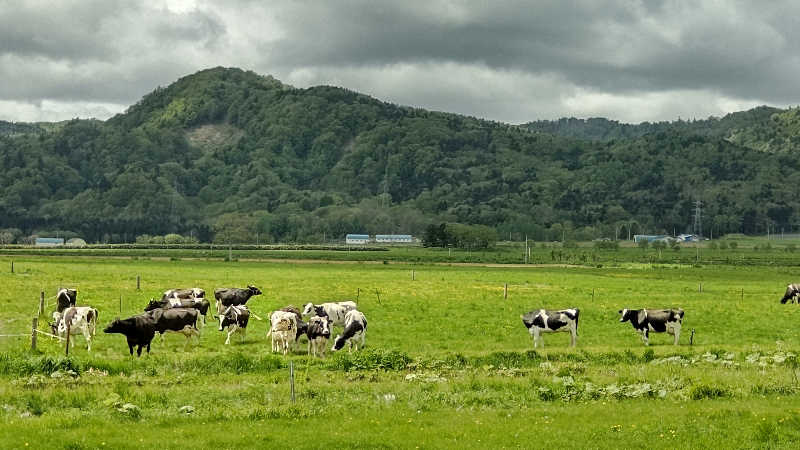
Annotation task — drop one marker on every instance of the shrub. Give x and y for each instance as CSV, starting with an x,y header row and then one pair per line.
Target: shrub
x,y
701,391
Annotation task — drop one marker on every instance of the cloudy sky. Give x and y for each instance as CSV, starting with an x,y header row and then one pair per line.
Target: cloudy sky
x,y
508,61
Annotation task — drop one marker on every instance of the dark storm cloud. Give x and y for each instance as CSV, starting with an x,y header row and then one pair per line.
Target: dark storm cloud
x,y
742,49
512,61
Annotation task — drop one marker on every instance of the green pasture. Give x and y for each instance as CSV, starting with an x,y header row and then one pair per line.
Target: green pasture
x,y
448,362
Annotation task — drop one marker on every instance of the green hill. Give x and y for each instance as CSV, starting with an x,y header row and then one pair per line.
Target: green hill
x,y
231,153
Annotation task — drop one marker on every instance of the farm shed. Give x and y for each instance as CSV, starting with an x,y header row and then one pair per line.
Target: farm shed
x,y
650,237
356,239
49,242
394,238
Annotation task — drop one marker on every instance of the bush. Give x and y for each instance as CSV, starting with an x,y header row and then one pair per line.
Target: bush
x,y
733,245
702,391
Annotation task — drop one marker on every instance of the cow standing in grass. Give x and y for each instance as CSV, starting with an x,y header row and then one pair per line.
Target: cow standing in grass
x,y
233,297
792,294
138,331
65,298
355,329
200,304
76,320
282,330
176,320
656,320
236,319
318,332
541,321
336,311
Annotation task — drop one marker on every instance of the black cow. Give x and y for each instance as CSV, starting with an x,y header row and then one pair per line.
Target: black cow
x,y
656,320
549,321
200,304
138,330
236,318
233,296
65,298
176,320
792,294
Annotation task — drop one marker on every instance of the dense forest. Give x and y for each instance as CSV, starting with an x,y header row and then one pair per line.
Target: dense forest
x,y
229,155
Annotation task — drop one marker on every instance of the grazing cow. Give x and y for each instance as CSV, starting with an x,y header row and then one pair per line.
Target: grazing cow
x,y
79,319
233,296
541,321
657,320
236,318
336,311
176,320
318,332
138,330
792,294
283,329
189,293
65,298
355,327
200,304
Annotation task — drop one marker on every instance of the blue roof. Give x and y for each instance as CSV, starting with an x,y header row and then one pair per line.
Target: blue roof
x,y
392,236
357,236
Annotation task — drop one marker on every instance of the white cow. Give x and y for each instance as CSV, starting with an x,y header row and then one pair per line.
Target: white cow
x,y
355,328
336,311
283,329
81,320
549,321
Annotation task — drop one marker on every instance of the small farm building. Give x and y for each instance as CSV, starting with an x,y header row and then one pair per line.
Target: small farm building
x,y
650,237
49,242
356,239
394,238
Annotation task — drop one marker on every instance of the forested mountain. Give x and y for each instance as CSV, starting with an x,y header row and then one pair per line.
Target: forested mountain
x,y
228,154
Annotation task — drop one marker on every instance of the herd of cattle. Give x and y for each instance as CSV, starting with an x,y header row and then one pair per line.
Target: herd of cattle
x,y
178,311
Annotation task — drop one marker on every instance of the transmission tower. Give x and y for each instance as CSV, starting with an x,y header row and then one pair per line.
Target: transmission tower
x,y
697,228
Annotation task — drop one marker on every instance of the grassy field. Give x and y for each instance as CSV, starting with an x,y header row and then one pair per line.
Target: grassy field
x,y
448,362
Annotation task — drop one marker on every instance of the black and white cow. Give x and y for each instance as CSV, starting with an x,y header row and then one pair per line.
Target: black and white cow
x,y
65,298
79,320
336,311
318,332
176,320
656,320
541,321
200,304
235,317
355,329
188,293
792,294
233,296
138,331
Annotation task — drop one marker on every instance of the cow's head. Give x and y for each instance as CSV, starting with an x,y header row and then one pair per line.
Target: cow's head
x,y
152,304
338,343
321,325
114,327
308,308
254,290
226,318
625,314
283,324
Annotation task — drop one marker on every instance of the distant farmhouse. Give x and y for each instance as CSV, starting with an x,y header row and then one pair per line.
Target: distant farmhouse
x,y
651,237
379,239
49,242
356,239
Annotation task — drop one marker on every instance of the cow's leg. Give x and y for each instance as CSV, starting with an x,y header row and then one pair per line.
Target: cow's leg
x,y
573,334
677,332
231,330
646,336
537,337
139,350
130,348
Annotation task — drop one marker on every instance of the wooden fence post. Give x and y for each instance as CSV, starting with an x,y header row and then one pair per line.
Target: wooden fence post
x,y
592,295
291,378
505,291
66,349
412,274
34,327
138,282
120,304
691,338
41,304
12,266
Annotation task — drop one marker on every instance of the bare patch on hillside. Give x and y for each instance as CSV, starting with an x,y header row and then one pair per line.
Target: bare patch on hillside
x,y
209,137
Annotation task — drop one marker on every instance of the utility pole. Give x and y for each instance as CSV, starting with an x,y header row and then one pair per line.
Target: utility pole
x,y
698,220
